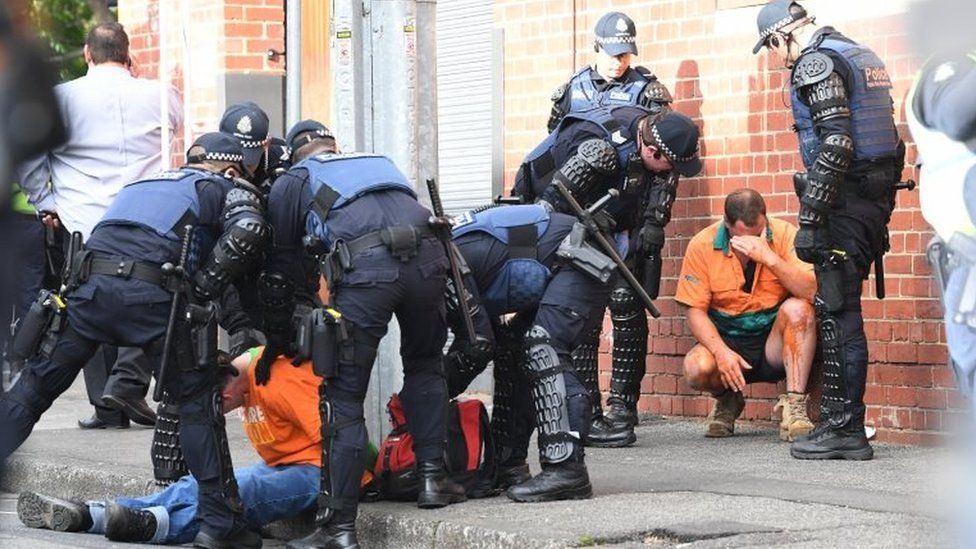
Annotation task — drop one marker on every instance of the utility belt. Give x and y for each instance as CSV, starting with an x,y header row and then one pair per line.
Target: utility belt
x,y
403,241
958,253
86,263
868,180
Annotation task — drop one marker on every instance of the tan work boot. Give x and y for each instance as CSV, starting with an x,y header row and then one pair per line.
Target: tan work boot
x,y
795,420
721,422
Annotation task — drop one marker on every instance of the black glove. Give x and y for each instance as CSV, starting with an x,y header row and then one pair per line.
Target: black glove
x,y
278,344
242,340
806,244
202,288
605,221
651,240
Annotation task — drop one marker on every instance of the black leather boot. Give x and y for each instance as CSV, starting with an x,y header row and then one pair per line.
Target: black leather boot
x,y
828,441
607,434
621,413
243,539
337,534
559,481
436,488
40,511
125,524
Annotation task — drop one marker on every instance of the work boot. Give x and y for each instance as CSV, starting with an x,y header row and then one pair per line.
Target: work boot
x,y
607,434
40,511
721,421
566,480
795,421
828,442
512,474
125,524
621,413
243,539
436,488
338,534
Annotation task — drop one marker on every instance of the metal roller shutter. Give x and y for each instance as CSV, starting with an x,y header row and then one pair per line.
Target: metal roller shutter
x,y
464,102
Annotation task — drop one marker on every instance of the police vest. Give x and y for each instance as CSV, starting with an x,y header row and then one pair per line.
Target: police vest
x,y
522,280
872,111
584,95
338,179
539,166
164,203
946,165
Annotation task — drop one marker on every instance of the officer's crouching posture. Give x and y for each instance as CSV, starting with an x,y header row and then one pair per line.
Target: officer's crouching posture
x,y
842,107
640,153
525,260
122,295
382,259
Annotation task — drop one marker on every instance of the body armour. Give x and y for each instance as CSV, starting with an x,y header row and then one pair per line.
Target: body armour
x,y
872,110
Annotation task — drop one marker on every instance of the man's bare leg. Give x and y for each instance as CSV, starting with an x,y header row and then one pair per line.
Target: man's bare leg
x,y
701,373
791,345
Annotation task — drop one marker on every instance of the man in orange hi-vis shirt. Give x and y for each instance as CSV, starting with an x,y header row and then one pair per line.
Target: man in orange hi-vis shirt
x,y
749,305
281,420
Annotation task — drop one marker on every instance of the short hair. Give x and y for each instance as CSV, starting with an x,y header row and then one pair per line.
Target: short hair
x,y
313,147
745,205
108,42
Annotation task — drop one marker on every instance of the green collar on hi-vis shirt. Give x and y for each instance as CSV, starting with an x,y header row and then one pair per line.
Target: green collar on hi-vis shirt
x,y
722,237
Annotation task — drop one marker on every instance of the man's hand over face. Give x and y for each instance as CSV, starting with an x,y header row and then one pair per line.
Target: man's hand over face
x,y
755,247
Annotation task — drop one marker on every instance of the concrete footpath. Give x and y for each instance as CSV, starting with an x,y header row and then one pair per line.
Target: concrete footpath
x,y
674,488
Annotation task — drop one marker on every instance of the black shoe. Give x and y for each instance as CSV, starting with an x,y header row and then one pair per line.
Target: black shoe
x,y
95,422
40,511
826,442
561,481
137,409
243,539
125,524
436,488
605,434
335,535
510,475
621,414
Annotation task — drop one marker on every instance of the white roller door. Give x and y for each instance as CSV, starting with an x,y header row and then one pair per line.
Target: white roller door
x,y
464,102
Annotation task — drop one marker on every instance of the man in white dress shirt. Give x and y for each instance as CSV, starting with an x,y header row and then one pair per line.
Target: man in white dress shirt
x,y
115,124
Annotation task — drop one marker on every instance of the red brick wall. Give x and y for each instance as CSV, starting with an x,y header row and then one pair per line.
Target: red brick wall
x,y
703,53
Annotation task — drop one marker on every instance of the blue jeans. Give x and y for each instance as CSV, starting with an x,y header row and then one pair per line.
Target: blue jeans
x,y
268,493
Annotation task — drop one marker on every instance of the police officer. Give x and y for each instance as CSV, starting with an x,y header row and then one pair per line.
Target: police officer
x,y
844,115
526,260
611,80
382,259
640,154
121,296
942,119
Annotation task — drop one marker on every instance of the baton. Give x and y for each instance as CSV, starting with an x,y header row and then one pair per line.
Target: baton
x,y
170,270
444,229
586,217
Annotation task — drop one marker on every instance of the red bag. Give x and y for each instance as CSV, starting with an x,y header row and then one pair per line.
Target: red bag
x,y
470,455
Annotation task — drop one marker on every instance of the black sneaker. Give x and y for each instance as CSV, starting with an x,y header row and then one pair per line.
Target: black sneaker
x,y
40,511
604,434
620,414
125,524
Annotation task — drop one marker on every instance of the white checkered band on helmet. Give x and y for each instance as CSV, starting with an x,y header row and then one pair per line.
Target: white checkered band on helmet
x,y
667,150
252,144
223,157
775,27
616,40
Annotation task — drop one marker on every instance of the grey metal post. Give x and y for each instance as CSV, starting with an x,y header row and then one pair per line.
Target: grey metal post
x,y
293,62
427,159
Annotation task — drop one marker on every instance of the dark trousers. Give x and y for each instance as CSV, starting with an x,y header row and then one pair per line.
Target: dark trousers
x,y
108,310
118,371
379,287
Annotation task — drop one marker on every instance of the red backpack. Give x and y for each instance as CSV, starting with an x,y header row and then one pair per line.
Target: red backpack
x,y
470,454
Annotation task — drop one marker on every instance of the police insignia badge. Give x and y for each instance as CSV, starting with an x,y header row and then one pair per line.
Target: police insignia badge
x,y
621,25
244,124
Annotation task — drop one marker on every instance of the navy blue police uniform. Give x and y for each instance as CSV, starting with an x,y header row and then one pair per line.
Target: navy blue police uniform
x,y
844,118
383,260
519,263
121,299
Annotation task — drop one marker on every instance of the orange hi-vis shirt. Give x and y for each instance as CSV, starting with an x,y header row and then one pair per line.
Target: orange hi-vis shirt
x,y
282,417
712,279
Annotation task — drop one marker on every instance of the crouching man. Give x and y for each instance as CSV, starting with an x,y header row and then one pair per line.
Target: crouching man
x,y
281,420
749,305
